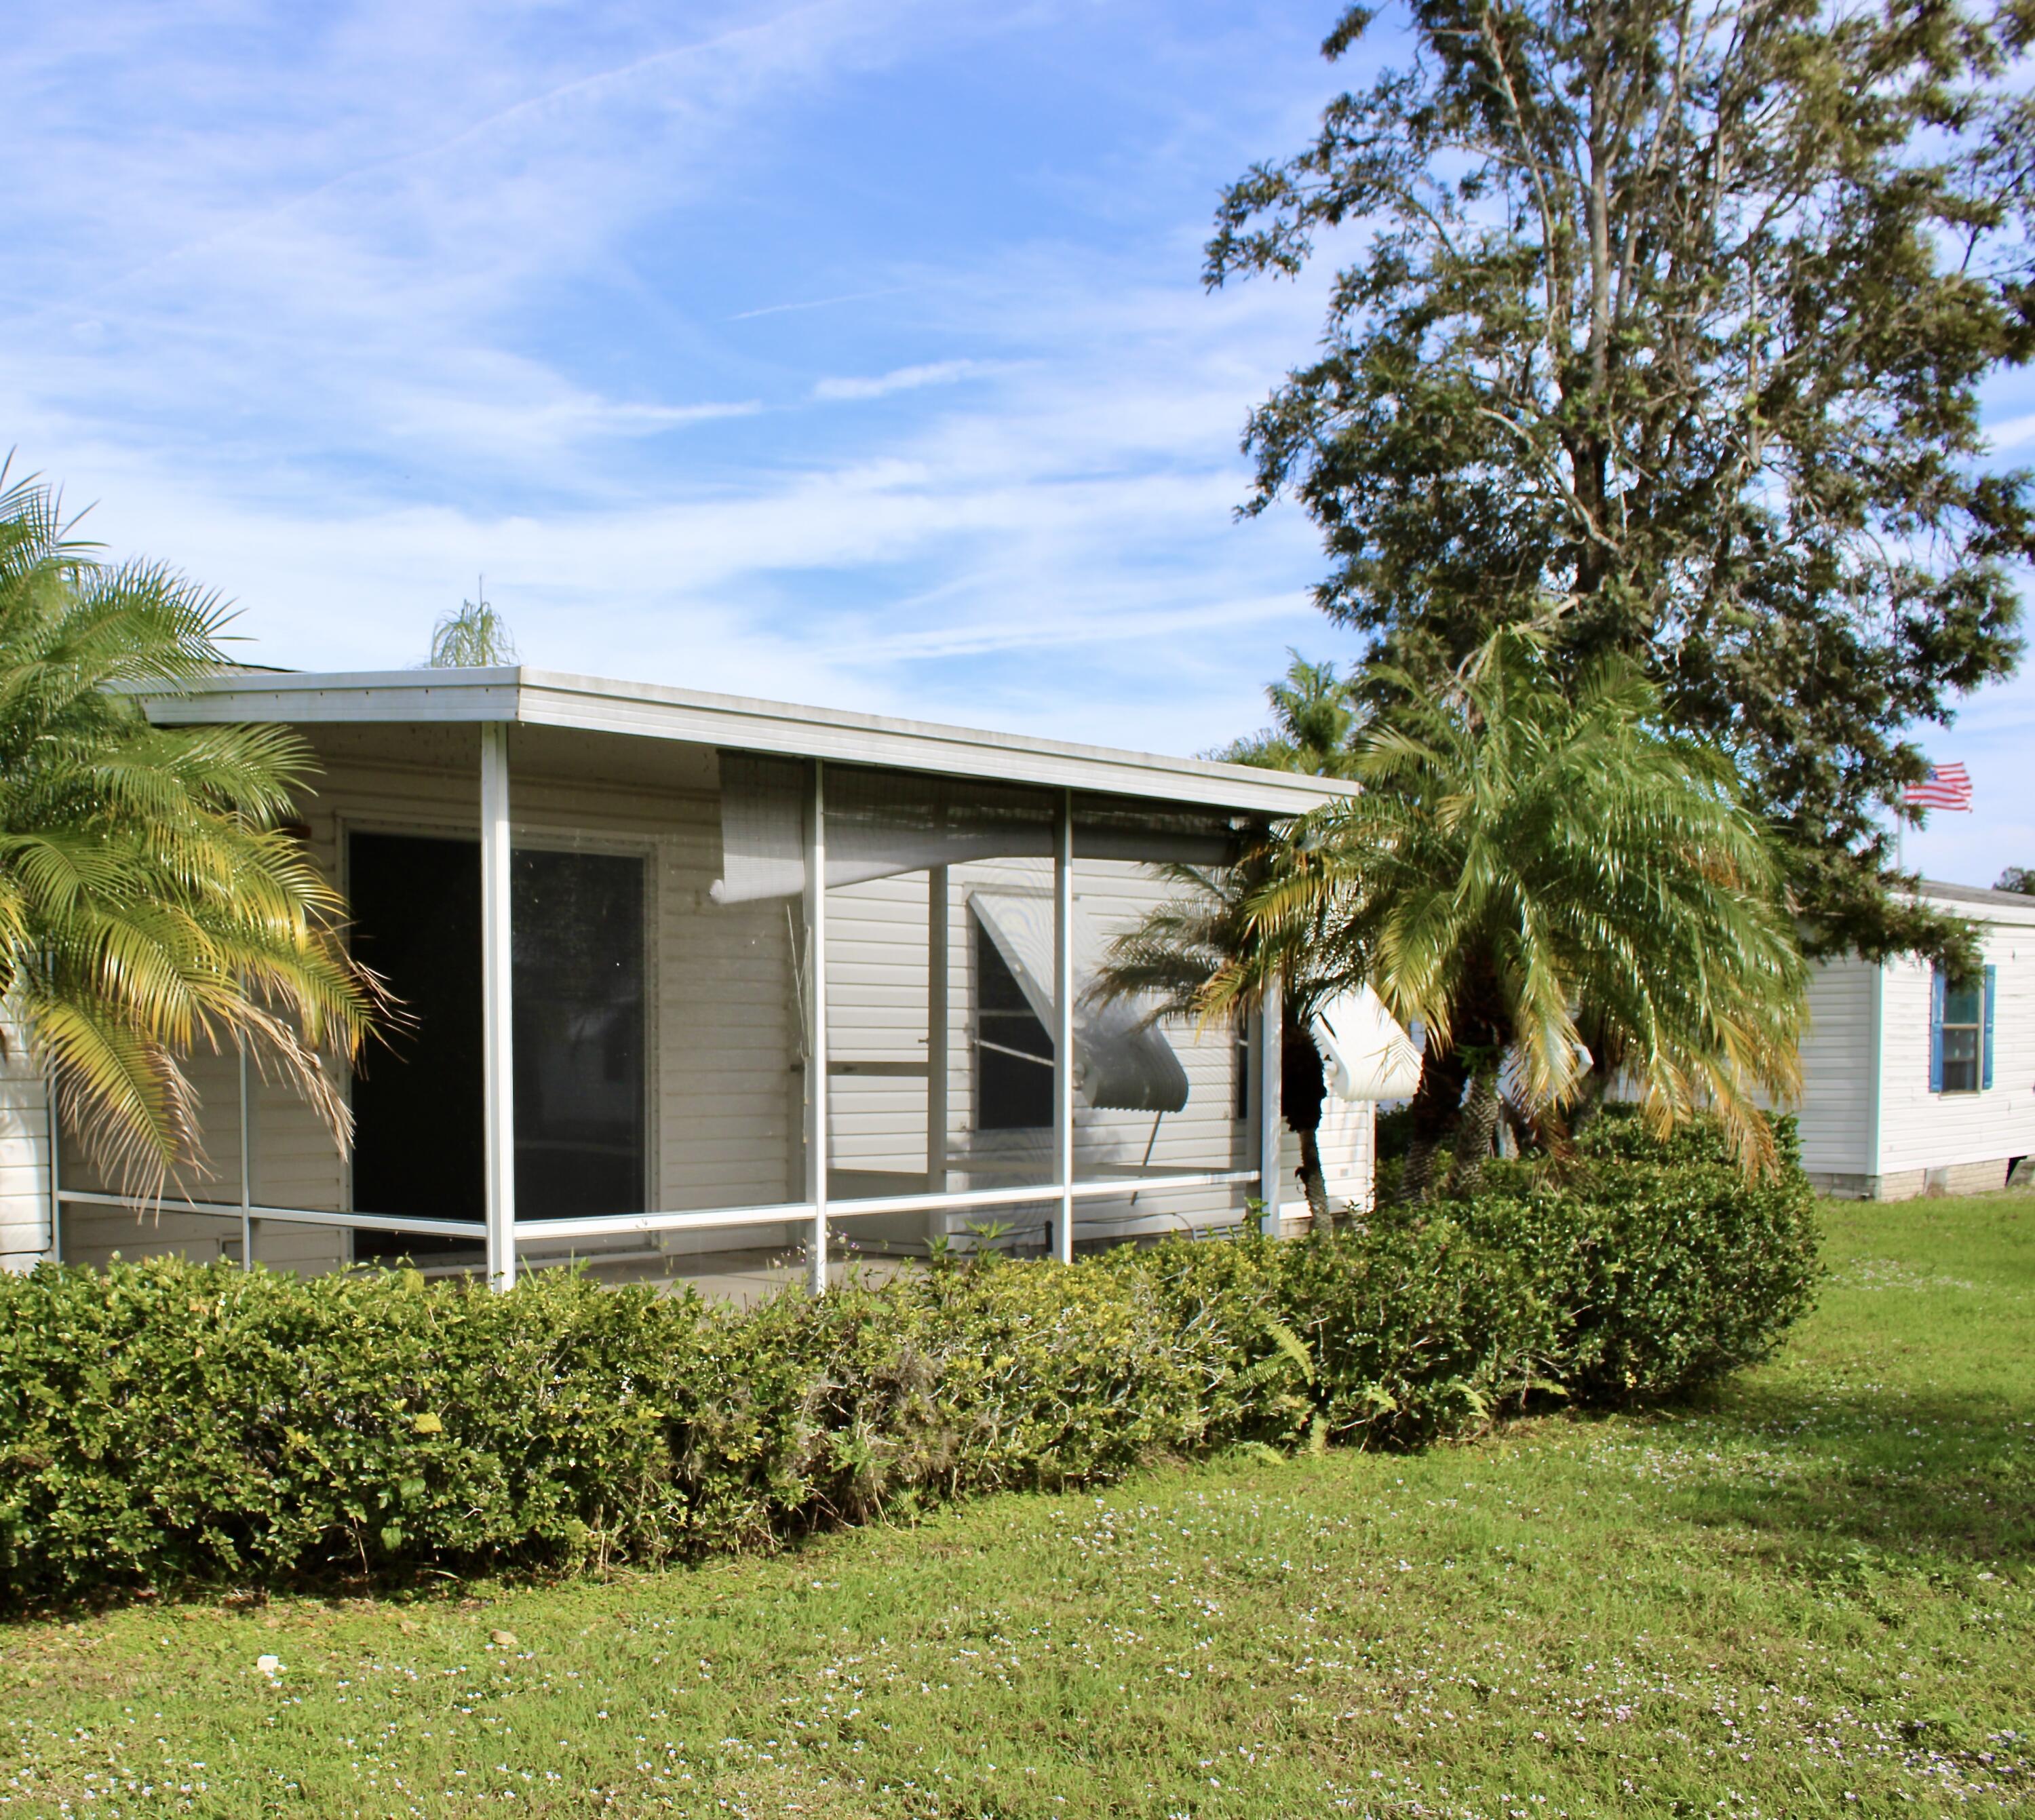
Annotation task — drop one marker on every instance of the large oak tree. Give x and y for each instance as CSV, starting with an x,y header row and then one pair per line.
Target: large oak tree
x,y
1663,326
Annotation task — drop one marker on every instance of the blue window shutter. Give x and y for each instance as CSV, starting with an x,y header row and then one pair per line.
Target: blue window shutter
x,y
1985,1078
1936,1031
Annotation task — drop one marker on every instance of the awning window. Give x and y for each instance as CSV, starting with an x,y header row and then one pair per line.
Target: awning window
x,y
1368,1053
1121,1062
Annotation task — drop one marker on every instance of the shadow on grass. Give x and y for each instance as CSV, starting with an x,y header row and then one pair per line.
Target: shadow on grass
x,y
1841,1482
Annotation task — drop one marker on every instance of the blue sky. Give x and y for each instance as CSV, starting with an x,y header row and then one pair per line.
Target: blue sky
x,y
851,353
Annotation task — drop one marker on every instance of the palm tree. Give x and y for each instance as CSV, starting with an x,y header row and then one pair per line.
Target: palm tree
x,y
476,637
1521,855
151,899
1314,719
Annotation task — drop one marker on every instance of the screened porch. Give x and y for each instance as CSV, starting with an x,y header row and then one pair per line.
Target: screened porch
x,y
706,989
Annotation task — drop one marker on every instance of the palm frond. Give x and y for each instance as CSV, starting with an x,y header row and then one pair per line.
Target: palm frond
x,y
1525,858
149,902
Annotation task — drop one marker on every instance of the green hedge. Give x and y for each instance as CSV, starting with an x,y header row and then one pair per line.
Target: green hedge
x,y
166,1424
1665,1269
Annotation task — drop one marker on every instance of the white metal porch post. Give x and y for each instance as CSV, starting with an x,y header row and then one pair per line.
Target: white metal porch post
x,y
247,1173
56,1174
939,933
1064,1028
497,1071
816,1093
1271,1029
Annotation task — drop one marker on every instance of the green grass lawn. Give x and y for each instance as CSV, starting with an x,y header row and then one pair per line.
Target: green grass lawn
x,y
1815,1595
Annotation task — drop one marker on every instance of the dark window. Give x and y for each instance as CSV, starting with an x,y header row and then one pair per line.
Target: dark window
x,y
578,983
1964,1017
1014,1051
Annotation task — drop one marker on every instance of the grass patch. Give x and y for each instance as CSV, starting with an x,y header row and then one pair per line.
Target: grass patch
x,y
1813,1593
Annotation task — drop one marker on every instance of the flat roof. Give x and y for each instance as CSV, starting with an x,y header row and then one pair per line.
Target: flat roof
x,y
523,695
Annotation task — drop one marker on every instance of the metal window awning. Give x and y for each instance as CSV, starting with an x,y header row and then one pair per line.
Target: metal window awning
x,y
1369,1054
1121,1062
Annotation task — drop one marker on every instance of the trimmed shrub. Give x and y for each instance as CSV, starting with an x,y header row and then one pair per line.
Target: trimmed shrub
x,y
1667,1268
165,1421
166,1424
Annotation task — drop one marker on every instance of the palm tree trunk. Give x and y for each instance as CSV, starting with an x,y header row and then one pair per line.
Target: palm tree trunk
x,y
1314,1180
1434,1103
1606,1054
1482,1037
1302,1087
1479,1126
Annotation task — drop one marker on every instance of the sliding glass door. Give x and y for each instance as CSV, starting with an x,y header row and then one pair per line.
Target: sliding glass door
x,y
580,996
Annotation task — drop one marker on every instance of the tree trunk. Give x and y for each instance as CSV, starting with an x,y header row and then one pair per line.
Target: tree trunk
x,y
1302,1087
1314,1180
1479,1126
1482,1034
1434,1103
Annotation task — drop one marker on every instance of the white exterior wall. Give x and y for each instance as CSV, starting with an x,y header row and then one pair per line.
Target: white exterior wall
x,y
1921,1130
24,1157
1910,1140
1836,1112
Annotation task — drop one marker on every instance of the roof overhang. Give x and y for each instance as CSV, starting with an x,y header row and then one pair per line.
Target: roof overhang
x,y
524,697
1976,904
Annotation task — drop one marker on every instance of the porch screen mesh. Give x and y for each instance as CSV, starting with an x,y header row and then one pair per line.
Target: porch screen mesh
x,y
1156,833
882,823
879,824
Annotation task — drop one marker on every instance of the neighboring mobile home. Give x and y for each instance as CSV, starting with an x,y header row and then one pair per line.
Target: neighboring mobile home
x,y
625,918
1914,1084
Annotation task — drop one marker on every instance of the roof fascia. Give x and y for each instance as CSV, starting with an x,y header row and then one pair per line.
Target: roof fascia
x,y
548,699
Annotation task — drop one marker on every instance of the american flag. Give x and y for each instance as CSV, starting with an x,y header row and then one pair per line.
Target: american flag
x,y
1949,787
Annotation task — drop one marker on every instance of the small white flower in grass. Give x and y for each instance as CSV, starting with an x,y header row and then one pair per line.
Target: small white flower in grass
x,y
271,1666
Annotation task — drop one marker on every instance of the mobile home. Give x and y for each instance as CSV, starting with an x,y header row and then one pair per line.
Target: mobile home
x,y
687,975
1917,1083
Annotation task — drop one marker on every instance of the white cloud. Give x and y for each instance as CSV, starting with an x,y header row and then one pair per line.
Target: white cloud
x,y
900,379
2011,434
334,319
